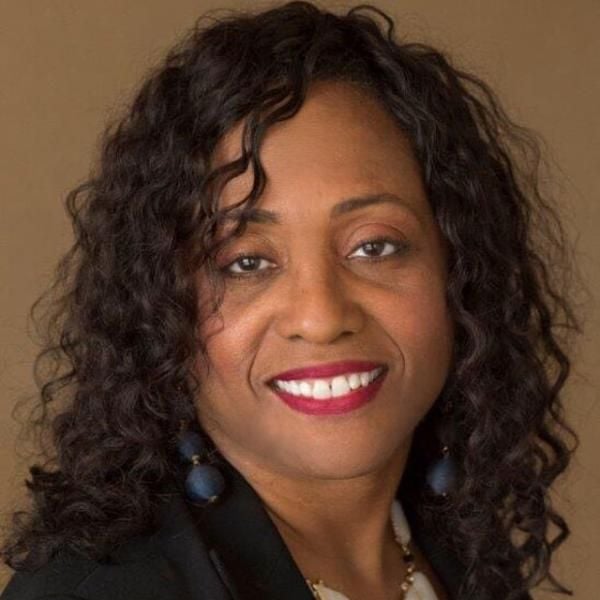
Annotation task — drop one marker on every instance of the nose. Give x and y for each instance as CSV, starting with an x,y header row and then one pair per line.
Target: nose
x,y
318,306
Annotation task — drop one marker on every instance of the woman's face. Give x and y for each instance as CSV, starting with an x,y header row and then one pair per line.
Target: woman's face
x,y
322,289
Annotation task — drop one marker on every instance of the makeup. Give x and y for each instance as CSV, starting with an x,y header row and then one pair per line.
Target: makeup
x,y
340,404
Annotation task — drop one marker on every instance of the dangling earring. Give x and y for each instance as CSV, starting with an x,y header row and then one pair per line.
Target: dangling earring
x,y
204,482
441,474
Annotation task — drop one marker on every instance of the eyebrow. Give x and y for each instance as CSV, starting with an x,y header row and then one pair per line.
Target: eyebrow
x,y
263,216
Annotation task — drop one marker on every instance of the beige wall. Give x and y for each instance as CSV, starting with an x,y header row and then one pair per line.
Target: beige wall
x,y
65,65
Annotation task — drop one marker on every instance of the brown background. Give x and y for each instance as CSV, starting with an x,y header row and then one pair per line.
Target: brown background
x,y
66,66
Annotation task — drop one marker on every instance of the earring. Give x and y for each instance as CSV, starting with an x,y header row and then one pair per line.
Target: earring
x,y
441,475
204,482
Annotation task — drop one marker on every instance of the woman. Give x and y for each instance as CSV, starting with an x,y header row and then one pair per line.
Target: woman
x,y
306,334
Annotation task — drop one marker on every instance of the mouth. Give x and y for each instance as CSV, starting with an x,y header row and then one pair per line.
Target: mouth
x,y
326,370
335,395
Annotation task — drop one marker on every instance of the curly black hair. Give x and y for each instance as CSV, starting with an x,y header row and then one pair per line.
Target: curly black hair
x,y
115,373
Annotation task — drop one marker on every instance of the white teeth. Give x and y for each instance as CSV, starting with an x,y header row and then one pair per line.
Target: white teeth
x,y
339,386
354,381
305,388
323,389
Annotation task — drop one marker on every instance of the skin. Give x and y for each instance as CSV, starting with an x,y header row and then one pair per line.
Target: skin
x,y
328,481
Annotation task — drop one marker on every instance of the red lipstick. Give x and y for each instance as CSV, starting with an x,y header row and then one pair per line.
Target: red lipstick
x,y
328,370
334,405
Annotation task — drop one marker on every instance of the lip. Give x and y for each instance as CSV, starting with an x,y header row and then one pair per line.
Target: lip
x,y
328,370
333,406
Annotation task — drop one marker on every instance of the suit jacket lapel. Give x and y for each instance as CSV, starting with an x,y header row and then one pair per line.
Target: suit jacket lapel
x,y
245,539
249,554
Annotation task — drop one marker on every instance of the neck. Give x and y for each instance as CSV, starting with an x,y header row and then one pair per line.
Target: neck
x,y
337,530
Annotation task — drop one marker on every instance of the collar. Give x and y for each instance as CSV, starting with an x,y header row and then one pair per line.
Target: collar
x,y
247,550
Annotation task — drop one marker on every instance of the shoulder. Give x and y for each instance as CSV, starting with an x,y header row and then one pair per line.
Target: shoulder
x,y
142,568
57,580
172,562
145,576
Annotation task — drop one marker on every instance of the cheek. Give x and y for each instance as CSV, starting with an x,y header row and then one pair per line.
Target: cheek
x,y
223,334
221,376
231,338
415,311
419,324
224,351
422,323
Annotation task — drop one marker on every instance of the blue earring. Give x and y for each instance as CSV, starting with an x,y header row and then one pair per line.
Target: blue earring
x,y
441,475
204,483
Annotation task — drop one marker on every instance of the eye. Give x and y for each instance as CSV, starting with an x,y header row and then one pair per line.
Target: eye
x,y
248,265
381,247
245,264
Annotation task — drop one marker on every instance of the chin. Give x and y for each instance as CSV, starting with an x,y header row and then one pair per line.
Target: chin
x,y
347,463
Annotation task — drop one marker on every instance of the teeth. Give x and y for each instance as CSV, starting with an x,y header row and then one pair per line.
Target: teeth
x,y
322,389
305,388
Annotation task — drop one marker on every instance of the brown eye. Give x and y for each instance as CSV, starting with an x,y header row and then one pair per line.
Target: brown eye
x,y
254,265
245,264
381,248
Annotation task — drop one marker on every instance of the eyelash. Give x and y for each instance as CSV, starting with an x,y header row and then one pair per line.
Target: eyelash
x,y
401,248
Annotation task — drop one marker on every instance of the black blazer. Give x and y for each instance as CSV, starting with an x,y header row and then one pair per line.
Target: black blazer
x,y
230,550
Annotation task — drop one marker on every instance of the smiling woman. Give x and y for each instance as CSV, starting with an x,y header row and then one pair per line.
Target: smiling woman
x,y
306,266
349,251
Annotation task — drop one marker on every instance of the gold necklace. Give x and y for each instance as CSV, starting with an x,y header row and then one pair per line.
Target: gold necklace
x,y
404,586
400,526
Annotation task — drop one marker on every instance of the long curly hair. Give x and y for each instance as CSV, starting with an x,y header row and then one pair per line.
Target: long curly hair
x,y
121,317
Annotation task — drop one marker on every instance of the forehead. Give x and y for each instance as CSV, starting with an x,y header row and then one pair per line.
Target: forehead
x,y
342,141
